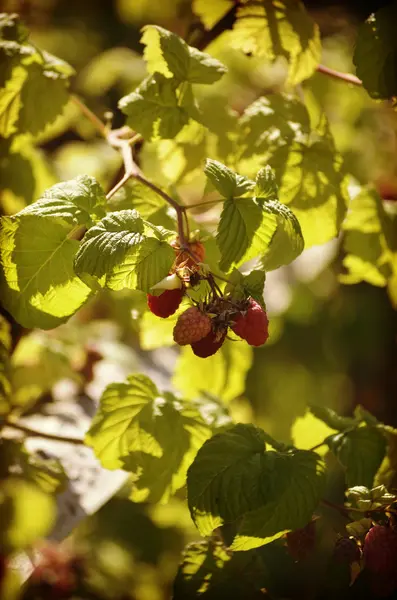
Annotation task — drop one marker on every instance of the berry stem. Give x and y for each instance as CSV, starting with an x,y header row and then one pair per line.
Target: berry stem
x,y
347,77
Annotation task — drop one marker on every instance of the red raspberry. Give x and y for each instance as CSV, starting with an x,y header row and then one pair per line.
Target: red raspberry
x,y
208,345
347,551
301,541
165,304
252,324
184,259
191,326
380,550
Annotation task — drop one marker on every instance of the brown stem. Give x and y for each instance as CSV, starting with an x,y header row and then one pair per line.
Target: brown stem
x,y
99,126
347,77
198,204
41,434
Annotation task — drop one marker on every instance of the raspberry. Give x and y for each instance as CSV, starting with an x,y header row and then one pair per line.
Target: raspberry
x,y
380,550
208,345
165,304
301,541
252,324
191,326
184,259
347,551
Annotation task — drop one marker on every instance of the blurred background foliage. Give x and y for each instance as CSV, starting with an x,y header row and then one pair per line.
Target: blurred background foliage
x,y
330,343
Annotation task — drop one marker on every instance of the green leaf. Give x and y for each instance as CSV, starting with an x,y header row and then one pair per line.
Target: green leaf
x,y
222,374
233,479
312,184
153,109
5,348
228,183
11,28
250,228
167,53
151,435
118,253
276,29
265,184
37,248
36,89
18,502
361,453
375,55
270,122
211,11
210,571
369,241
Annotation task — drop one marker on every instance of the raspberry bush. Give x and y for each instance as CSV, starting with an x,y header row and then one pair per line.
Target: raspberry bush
x,y
179,226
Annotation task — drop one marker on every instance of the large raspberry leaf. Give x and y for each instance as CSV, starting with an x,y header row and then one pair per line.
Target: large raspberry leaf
x,y
259,227
167,53
38,285
263,494
279,29
124,251
312,184
154,436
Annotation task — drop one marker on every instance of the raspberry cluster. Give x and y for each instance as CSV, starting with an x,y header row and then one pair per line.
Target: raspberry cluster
x,y
204,326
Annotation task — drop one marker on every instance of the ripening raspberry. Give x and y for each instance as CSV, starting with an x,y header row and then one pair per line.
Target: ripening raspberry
x,y
184,259
208,345
301,541
167,303
191,326
252,324
380,550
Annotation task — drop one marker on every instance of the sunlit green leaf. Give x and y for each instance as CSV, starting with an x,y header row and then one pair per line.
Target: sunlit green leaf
x,y
38,284
279,29
228,183
211,11
5,348
153,108
242,286
151,435
312,184
19,500
233,479
167,53
369,241
222,374
118,253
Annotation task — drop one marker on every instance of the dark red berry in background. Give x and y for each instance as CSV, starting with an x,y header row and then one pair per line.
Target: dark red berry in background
x,y
301,542
380,550
347,550
167,303
208,345
252,324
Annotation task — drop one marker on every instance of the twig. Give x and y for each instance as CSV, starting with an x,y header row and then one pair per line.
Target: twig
x,y
99,126
198,204
347,77
317,446
41,434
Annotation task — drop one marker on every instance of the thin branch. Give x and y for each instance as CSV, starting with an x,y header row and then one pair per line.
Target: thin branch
x,y
347,77
317,446
98,124
118,185
198,204
41,434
